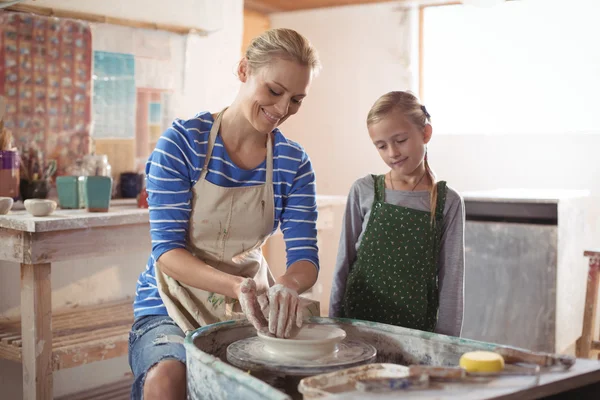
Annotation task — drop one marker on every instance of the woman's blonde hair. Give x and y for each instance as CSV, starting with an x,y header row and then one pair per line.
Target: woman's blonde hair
x,y
409,105
285,43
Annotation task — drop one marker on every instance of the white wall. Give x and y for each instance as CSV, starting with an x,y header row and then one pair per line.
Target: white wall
x,y
364,54
364,50
210,85
203,14
480,162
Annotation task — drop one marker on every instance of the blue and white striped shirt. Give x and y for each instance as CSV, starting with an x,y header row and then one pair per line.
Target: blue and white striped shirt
x,y
174,168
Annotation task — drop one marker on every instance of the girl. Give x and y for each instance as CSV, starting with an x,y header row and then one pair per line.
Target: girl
x,y
401,254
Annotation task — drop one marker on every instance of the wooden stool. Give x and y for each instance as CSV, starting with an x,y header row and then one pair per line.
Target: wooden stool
x,y
586,343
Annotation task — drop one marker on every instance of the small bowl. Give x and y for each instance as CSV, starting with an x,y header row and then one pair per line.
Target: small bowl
x,y
309,342
40,207
6,204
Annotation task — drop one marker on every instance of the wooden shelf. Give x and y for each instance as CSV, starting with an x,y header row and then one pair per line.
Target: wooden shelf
x,y
113,391
80,335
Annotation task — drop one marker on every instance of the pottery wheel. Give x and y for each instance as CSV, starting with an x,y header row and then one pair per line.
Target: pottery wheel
x,y
250,354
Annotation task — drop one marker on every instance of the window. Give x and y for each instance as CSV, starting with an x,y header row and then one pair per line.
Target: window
x,y
525,66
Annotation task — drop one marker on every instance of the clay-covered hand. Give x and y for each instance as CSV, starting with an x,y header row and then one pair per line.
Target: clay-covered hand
x,y
250,305
284,310
263,301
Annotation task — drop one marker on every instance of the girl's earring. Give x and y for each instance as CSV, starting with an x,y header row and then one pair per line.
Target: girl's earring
x,y
425,153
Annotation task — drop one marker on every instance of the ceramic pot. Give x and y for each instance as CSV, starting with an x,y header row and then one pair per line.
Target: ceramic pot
x,y
309,342
34,189
5,205
70,192
39,207
131,184
98,191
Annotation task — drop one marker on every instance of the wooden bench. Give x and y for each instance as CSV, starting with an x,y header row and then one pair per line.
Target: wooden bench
x,y
79,335
119,390
586,343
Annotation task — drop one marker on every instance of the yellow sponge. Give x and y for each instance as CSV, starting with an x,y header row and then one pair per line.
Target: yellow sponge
x,y
482,361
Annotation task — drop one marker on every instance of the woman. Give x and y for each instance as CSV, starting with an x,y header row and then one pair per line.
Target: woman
x,y
218,186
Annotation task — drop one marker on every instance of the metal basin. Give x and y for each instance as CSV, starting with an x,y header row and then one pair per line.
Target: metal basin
x,y
211,377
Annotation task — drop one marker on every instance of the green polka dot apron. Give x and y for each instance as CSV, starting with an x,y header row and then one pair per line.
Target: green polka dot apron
x,y
394,279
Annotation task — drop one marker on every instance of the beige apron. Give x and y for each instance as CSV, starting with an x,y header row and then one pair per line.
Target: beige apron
x,y
228,227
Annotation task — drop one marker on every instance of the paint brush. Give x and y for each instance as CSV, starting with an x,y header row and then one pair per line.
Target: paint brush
x,y
2,109
5,136
458,373
545,360
392,384
422,377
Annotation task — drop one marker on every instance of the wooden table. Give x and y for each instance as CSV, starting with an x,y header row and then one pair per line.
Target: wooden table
x,y
43,342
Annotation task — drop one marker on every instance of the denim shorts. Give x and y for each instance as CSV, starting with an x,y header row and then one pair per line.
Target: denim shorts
x,y
153,338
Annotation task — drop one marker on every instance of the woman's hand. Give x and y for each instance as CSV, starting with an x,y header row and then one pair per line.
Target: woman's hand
x,y
281,305
246,294
284,310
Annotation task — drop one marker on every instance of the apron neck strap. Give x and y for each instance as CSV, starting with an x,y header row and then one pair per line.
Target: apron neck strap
x,y
441,196
441,202
379,188
212,138
269,160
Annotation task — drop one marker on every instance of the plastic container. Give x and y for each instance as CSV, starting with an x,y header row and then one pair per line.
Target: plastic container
x,y
9,174
344,381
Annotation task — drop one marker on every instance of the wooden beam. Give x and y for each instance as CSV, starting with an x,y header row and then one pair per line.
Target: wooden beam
x,y
80,335
119,390
14,245
43,247
104,19
585,344
438,3
259,6
36,312
270,6
255,23
82,243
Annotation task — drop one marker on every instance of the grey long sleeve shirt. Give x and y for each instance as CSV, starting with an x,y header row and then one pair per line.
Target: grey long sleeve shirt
x,y
451,260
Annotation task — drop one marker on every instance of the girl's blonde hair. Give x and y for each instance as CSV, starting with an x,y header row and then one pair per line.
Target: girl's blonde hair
x,y
284,43
409,105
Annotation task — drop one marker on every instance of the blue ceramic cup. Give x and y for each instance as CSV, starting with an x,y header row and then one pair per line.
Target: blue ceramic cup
x,y
70,191
131,184
98,191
